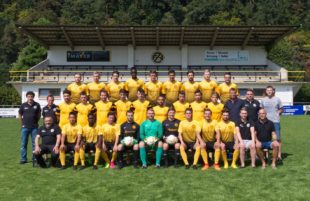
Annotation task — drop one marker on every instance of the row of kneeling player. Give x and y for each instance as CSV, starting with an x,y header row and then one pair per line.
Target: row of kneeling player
x,y
161,138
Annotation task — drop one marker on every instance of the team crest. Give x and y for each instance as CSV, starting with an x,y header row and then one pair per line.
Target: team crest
x,y
176,124
254,105
193,126
134,127
52,130
248,125
35,107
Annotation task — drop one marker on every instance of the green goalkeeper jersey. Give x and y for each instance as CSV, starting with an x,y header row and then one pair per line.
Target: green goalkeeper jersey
x,y
151,129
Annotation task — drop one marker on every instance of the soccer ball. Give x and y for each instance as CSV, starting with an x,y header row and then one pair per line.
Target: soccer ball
x,y
150,140
128,141
171,139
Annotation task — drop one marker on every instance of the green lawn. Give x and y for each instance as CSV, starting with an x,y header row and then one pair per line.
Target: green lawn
x,y
289,182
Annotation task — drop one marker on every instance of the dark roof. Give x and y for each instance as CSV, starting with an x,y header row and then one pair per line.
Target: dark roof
x,y
57,35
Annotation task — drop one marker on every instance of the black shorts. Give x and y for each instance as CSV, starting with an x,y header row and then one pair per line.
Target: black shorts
x,y
190,145
46,149
109,145
229,146
210,145
90,147
70,147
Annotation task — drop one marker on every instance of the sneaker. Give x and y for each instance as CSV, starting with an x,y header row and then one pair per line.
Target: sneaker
x,y
234,166
112,165
217,167
187,167
22,162
75,167
107,165
195,167
157,166
95,167
82,167
144,166
226,166
205,167
63,167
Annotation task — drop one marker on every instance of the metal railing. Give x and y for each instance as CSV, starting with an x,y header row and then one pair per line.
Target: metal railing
x,y
181,75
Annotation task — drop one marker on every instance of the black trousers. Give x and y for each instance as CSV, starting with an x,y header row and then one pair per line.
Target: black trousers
x,y
46,149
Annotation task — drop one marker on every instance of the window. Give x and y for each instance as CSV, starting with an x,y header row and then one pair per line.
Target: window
x,y
43,93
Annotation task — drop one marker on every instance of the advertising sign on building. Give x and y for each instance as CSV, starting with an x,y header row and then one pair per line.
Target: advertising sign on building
x,y
226,55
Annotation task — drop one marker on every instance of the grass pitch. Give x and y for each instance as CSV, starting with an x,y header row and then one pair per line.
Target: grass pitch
x,y
291,181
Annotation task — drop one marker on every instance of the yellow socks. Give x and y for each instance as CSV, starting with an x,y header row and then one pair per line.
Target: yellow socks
x,y
62,157
97,156
114,155
196,156
224,157
183,155
82,156
217,155
76,157
105,157
235,158
204,155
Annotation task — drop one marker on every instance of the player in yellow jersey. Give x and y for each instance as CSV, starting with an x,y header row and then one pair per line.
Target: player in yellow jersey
x,y
161,111
94,88
70,141
171,89
224,88
114,87
190,86
198,107
207,86
133,84
140,107
83,109
76,88
110,135
89,142
209,140
180,106
103,107
215,107
122,106
63,109
188,130
229,139
153,87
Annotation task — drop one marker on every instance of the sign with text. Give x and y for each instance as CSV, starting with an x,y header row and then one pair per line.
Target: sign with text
x,y
9,112
226,55
73,56
293,110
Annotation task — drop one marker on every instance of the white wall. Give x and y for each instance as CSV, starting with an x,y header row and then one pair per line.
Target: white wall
x,y
57,55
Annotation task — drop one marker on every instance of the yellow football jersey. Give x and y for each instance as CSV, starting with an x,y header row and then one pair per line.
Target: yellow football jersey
x,y
216,110
227,130
75,90
171,90
90,133
198,110
121,110
63,110
161,113
113,90
180,110
207,88
153,90
188,130
71,132
223,90
83,111
189,89
140,110
102,108
109,132
208,130
94,89
132,87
